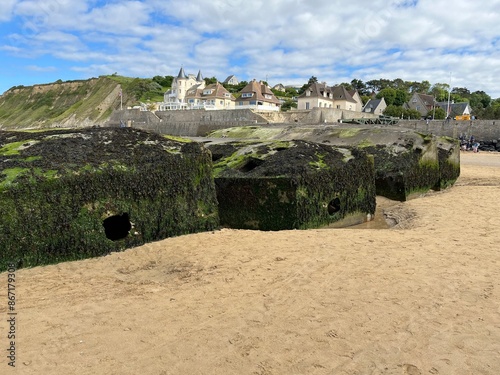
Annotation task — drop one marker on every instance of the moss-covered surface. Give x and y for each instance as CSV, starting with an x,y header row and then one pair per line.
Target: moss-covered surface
x,y
56,192
449,162
407,163
291,184
404,172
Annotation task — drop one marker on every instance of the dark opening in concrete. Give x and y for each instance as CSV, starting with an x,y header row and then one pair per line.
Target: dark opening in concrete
x,y
216,156
252,163
117,227
334,206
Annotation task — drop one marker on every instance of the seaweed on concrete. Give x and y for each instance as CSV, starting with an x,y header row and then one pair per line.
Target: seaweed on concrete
x,y
279,185
63,189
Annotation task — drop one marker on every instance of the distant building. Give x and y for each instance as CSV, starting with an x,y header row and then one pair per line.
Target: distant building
x,y
174,99
422,103
375,106
231,80
279,87
456,109
319,95
258,96
211,97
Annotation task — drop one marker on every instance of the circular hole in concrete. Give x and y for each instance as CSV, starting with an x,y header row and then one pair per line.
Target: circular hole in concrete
x,y
117,227
334,206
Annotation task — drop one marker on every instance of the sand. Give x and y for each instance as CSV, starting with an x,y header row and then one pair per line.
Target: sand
x,y
422,297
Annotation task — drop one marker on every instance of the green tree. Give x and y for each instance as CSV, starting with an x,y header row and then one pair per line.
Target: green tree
x,y
312,80
440,91
412,114
479,100
209,81
394,111
359,85
389,94
288,104
165,81
438,114
401,97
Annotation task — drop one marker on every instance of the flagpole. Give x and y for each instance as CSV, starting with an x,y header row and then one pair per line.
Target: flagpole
x,y
121,100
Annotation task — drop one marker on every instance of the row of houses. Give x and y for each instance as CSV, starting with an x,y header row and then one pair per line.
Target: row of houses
x,y
427,103
190,91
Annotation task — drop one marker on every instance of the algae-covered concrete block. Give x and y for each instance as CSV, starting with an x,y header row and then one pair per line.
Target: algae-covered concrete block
x,y
291,184
449,161
72,194
407,163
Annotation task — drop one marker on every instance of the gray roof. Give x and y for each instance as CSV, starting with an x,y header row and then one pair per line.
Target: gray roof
x,y
182,74
372,103
456,109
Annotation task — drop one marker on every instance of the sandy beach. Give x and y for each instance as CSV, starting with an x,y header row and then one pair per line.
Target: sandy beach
x,y
421,297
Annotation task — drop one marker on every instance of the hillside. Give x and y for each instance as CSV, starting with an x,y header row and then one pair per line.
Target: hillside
x,y
63,104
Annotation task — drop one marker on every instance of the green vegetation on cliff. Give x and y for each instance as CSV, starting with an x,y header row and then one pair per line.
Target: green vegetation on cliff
x,y
73,103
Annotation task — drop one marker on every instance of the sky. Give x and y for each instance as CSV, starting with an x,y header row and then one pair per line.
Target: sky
x,y
278,41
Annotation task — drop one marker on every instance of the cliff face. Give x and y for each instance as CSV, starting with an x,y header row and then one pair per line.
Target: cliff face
x,y
65,104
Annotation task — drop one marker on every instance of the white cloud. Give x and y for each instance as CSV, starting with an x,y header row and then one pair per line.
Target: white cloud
x,y
7,9
285,40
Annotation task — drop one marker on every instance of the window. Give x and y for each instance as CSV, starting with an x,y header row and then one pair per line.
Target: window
x,y
267,96
338,106
307,105
247,95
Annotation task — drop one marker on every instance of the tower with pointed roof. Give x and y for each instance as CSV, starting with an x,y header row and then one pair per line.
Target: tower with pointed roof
x,y
175,98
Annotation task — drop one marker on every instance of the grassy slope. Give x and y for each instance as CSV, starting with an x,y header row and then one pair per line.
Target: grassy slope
x,y
48,104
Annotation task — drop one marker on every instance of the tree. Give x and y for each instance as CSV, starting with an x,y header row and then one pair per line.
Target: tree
x,y
389,94
412,114
164,81
479,100
438,113
312,80
378,84
347,86
394,111
288,104
401,97
209,81
440,91
359,85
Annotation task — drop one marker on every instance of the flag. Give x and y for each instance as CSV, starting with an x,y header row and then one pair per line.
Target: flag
x,y
120,93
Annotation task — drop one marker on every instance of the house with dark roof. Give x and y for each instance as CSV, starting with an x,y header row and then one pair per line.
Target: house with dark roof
x,y
211,97
422,102
375,106
258,96
319,95
456,109
231,80
174,98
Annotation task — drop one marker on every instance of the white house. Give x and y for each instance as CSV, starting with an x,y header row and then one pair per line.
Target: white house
x,y
174,98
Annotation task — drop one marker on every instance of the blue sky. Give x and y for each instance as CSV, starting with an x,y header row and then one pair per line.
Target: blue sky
x,y
281,41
